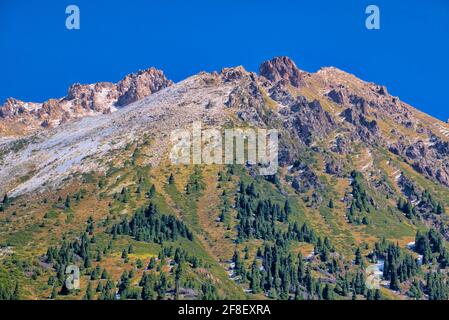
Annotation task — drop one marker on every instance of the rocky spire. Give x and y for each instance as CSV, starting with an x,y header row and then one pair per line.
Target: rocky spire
x,y
282,68
139,85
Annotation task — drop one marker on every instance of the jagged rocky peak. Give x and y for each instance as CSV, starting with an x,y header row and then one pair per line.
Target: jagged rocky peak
x,y
81,91
236,73
85,99
98,97
12,107
131,88
138,85
282,68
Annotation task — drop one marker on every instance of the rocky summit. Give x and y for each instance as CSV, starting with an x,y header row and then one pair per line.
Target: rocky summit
x,y
18,117
86,181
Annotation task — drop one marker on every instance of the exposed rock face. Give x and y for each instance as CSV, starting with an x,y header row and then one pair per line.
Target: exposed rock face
x,y
83,100
429,160
416,150
341,145
336,96
282,68
98,97
280,94
304,179
139,85
334,167
237,73
441,147
366,129
14,108
311,120
408,187
247,99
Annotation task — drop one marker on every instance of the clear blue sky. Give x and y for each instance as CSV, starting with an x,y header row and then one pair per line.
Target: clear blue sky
x,y
40,58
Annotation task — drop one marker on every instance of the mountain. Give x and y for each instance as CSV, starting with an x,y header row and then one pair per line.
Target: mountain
x,y
363,182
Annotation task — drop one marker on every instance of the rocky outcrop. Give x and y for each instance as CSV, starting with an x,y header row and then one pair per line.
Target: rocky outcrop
x,y
83,100
99,97
279,93
430,161
341,145
310,121
304,179
334,167
337,96
367,130
237,73
139,85
282,68
246,98
15,108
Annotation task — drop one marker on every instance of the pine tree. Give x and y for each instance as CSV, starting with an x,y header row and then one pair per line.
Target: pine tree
x,y
16,293
124,285
308,281
298,293
64,290
100,287
152,263
358,257
178,274
54,292
148,292
246,251
67,202
440,208
152,191
328,293
394,281
89,294
238,264
287,208
377,295
415,291
162,285
255,278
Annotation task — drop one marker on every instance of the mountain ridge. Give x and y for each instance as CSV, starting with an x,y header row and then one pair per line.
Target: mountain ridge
x,y
350,100
82,100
